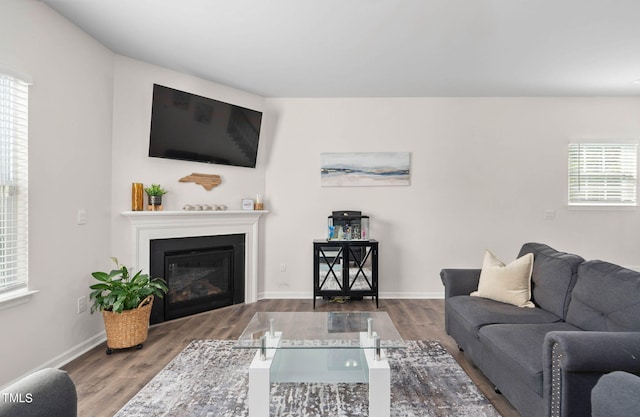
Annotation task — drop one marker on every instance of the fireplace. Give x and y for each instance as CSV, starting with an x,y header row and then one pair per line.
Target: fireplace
x,y
147,226
202,273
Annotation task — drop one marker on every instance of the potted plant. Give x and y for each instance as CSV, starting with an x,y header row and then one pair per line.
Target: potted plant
x,y
125,301
155,193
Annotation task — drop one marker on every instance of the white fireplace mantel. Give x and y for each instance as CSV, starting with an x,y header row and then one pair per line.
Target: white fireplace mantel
x,y
149,225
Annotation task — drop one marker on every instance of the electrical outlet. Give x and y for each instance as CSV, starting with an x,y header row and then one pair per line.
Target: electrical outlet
x,y
82,304
81,216
283,267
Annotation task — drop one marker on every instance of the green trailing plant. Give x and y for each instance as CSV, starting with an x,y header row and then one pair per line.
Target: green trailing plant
x,y
118,290
155,190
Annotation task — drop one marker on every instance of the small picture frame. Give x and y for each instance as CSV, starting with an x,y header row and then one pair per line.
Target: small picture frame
x,y
247,204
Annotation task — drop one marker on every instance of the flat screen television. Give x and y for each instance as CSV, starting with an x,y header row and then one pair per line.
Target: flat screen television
x,y
189,127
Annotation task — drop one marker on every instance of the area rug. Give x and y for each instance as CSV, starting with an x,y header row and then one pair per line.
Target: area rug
x,y
210,379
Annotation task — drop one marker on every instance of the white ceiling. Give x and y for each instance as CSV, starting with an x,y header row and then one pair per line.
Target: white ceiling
x,y
380,48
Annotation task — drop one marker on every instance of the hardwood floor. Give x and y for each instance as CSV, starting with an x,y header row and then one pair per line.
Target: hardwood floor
x,y
105,383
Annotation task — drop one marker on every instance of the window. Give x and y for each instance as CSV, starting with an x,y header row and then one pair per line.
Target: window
x,y
14,248
602,174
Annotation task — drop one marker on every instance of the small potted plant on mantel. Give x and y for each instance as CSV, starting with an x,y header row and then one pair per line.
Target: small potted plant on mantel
x,y
155,193
125,301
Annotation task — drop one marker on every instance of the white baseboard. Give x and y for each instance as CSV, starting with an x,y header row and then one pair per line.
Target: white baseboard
x,y
412,295
67,356
283,295
76,351
290,295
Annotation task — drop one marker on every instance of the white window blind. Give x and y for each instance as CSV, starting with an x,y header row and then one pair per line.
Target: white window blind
x,y
602,174
14,247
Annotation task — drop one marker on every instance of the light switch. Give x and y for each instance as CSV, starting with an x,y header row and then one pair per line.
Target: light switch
x,y
549,214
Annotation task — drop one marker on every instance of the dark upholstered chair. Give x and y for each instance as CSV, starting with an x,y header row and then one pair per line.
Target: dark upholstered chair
x,y
45,393
616,394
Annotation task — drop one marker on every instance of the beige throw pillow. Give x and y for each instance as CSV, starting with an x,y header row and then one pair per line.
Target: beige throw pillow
x,y
506,283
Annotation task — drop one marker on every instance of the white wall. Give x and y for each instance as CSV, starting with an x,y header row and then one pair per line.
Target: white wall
x,y
483,172
69,168
89,130
133,89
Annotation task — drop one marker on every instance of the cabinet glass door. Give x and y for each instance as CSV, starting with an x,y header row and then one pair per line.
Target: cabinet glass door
x,y
330,268
360,268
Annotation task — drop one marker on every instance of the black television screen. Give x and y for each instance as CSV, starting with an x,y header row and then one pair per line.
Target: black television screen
x,y
194,128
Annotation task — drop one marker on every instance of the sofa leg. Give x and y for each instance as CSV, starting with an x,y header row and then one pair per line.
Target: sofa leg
x,y
497,390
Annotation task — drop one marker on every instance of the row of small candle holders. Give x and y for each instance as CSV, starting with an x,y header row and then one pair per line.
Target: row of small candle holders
x,y
204,207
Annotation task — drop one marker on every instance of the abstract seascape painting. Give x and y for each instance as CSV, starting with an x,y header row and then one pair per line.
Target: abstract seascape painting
x,y
364,169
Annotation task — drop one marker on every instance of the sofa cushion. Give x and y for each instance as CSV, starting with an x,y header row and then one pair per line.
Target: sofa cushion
x,y
605,298
475,312
553,277
514,351
506,283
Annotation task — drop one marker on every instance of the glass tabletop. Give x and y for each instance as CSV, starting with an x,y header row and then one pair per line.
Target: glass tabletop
x,y
325,330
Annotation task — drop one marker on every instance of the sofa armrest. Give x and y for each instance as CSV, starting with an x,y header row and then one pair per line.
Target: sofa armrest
x,y
596,351
459,281
46,393
574,361
616,394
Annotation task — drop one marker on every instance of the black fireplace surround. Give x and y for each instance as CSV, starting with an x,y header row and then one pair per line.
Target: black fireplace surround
x,y
202,272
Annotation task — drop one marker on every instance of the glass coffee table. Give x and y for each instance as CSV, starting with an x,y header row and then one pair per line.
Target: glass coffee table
x,y
347,347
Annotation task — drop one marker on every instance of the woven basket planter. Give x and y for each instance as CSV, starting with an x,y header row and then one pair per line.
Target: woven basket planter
x,y
129,328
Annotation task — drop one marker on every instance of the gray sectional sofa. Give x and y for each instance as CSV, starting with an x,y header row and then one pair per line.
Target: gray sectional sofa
x,y
546,360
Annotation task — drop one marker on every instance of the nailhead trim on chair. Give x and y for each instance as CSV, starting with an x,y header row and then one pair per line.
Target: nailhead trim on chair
x,y
556,380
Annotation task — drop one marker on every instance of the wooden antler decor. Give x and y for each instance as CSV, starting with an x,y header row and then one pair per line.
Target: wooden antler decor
x,y
208,181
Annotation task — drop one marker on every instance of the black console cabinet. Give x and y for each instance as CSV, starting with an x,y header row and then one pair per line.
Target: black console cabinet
x,y
345,268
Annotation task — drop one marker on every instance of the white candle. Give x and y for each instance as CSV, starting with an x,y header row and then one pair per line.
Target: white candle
x,y
259,198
